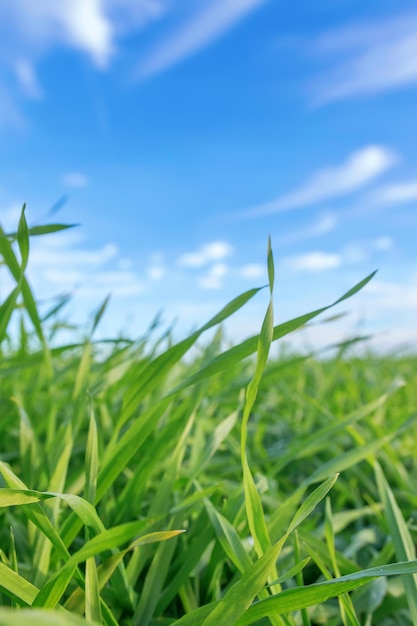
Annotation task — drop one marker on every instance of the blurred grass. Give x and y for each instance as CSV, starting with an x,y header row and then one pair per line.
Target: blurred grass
x,y
292,477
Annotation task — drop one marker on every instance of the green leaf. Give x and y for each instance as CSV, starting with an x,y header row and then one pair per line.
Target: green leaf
x,y
52,591
15,586
99,314
31,617
91,460
401,537
23,239
6,310
229,358
47,229
240,596
302,597
92,592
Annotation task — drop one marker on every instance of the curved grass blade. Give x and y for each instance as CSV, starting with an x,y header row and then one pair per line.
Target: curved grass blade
x,y
31,617
253,504
47,229
6,310
16,587
401,537
302,597
161,365
241,595
234,355
52,591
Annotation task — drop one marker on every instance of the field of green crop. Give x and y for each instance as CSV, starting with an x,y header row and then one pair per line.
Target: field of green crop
x,y
139,488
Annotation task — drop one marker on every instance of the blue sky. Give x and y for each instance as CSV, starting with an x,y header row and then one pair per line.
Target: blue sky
x,y
183,134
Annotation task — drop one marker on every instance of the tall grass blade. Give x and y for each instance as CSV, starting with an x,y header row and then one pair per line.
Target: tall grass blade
x,y
401,537
298,598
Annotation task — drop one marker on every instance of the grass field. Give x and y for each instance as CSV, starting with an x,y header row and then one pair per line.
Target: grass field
x,y
225,489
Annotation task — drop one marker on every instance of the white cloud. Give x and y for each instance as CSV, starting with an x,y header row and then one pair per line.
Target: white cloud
x,y
371,57
214,251
383,243
399,193
391,295
32,28
213,278
75,179
313,261
217,17
94,284
27,79
45,256
61,263
81,24
252,270
359,169
323,225
156,272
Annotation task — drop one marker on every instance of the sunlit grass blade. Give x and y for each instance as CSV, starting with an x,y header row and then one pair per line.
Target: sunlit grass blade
x,y
108,567
31,617
298,598
229,539
231,357
16,587
401,537
347,459
305,446
240,596
35,514
98,315
6,310
253,504
83,370
52,591
347,610
47,229
92,592
23,239
164,362
91,460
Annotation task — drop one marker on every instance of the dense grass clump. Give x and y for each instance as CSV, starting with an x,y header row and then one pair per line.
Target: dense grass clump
x,y
141,489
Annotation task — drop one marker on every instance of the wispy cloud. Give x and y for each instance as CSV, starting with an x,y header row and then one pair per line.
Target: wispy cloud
x,y
213,279
350,254
252,270
313,261
367,58
383,243
322,225
201,30
48,256
31,29
393,295
214,251
359,169
156,272
62,263
74,23
27,79
399,193
75,179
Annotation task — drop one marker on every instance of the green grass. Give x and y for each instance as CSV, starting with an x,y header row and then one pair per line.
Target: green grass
x,y
226,489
